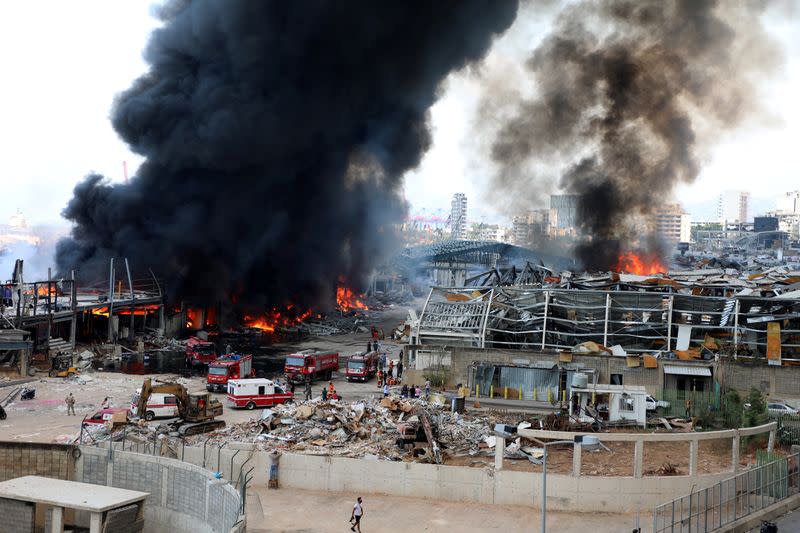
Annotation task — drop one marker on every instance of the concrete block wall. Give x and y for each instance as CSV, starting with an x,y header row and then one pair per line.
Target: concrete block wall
x,y
183,496
453,483
785,381
34,459
742,378
485,485
16,516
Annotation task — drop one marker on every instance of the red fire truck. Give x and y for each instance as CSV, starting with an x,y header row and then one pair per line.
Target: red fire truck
x,y
310,364
232,366
362,366
200,352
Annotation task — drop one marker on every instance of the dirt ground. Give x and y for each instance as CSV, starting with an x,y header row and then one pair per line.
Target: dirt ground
x,y
267,512
713,456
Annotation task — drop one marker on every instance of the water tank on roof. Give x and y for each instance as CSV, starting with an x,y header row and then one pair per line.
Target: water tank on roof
x,y
580,380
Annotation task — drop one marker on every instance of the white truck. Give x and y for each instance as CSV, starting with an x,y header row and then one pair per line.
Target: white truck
x,y
651,404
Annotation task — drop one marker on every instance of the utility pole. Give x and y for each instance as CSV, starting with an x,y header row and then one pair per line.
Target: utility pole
x,y
133,304
74,305
111,302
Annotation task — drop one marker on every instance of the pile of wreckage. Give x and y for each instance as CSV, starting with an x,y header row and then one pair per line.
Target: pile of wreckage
x,y
356,321
683,314
390,429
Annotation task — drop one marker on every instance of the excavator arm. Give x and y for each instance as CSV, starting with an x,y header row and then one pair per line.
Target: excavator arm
x,y
176,389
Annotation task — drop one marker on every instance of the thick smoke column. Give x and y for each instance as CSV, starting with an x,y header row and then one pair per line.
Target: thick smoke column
x,y
275,137
625,90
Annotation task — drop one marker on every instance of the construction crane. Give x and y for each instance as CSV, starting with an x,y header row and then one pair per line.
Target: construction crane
x,y
197,410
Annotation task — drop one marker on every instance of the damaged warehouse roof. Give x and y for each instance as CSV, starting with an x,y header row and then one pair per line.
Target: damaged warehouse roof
x,y
641,314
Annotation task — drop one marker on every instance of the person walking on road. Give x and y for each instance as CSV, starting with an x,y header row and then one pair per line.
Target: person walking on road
x,y
355,516
70,401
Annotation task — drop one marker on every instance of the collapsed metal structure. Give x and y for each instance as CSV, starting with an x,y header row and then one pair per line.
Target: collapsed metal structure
x,y
533,317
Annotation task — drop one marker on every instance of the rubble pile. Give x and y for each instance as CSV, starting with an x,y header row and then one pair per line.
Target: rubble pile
x,y
362,429
355,429
341,323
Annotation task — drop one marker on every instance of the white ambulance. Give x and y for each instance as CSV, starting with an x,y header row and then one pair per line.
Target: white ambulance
x,y
159,405
257,392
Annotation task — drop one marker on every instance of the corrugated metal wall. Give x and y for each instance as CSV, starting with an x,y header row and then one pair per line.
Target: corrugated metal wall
x,y
530,378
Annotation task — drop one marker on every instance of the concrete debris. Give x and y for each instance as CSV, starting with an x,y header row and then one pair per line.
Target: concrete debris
x,y
364,428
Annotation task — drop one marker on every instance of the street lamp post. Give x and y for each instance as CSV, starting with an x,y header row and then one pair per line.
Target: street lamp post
x,y
579,441
544,479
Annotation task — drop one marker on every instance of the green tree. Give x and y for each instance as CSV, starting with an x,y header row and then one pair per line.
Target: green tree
x,y
756,413
732,409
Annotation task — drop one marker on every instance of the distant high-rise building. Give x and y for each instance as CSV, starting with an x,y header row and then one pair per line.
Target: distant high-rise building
x,y
733,207
527,228
788,213
458,216
789,203
563,217
672,223
485,232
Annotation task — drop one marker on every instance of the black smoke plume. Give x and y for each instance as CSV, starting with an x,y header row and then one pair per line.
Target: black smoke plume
x,y
275,136
627,96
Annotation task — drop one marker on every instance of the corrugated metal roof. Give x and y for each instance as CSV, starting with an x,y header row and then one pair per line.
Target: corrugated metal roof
x,y
687,370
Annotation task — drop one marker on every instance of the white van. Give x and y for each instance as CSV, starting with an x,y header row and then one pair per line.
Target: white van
x,y
159,405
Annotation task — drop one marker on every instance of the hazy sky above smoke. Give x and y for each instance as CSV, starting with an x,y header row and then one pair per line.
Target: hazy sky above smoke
x,y
68,60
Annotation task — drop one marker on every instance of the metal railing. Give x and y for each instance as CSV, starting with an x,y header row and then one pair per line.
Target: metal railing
x,y
729,500
701,403
788,432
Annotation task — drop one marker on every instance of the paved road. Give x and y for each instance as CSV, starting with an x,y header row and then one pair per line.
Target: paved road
x,y
299,511
788,523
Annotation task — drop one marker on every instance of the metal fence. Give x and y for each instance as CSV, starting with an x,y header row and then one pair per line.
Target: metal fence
x,y
701,403
788,431
731,499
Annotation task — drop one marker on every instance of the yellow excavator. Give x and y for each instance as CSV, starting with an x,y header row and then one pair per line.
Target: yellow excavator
x,y
197,410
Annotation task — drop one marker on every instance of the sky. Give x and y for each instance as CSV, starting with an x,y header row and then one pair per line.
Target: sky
x,y
63,63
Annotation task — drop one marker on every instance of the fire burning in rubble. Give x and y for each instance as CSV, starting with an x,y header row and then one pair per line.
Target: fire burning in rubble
x,y
44,290
272,320
641,263
193,315
347,300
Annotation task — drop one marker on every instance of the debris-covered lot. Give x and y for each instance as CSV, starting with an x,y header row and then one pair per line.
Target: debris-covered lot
x,y
367,426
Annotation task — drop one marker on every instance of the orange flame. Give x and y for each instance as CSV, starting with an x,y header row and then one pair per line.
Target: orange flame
x,y
271,320
193,317
42,290
211,316
139,310
643,264
347,300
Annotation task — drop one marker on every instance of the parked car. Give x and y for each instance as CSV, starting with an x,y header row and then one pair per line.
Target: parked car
x,y
780,409
651,404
